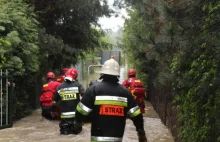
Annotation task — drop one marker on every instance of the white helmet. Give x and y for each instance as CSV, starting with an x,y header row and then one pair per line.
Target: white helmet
x,y
111,67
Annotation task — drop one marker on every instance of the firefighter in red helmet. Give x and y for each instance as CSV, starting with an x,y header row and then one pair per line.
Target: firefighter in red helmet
x,y
60,78
136,88
68,96
131,74
46,97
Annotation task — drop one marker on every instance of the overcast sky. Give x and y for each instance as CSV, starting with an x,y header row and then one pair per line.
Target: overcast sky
x,y
113,23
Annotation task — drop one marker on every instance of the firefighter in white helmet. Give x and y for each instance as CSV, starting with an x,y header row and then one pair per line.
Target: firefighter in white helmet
x,y
110,104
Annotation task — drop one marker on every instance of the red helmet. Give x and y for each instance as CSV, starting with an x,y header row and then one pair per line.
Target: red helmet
x,y
50,75
64,70
131,73
71,74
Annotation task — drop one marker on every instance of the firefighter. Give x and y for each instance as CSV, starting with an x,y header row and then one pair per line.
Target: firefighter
x,y
46,97
110,104
136,88
60,78
68,96
88,118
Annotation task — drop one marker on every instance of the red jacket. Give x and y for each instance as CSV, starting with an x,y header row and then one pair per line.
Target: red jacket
x,y
126,83
137,90
60,78
47,94
132,83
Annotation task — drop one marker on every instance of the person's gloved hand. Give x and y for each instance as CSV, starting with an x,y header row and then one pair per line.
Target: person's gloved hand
x,y
77,127
142,136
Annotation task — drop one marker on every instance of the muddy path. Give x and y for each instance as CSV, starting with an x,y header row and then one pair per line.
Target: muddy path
x,y
34,128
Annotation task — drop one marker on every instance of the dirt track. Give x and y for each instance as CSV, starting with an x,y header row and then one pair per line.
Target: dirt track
x,y
34,128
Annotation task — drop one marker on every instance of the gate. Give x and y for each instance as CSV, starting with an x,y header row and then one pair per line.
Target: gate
x,y
6,92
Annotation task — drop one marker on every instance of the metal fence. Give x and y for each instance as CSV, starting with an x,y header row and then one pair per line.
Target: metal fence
x,y
6,92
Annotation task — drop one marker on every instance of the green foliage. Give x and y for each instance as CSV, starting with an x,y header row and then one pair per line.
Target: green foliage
x,y
134,35
178,43
19,30
28,52
93,55
19,49
146,44
52,50
68,29
4,45
197,75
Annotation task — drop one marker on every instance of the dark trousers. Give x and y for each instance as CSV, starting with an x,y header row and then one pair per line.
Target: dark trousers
x,y
46,112
67,126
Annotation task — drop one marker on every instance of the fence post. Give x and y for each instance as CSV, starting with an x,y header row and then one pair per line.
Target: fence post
x,y
5,100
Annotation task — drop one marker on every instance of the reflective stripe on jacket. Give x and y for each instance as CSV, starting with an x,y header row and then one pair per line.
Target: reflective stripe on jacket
x,y
110,105
105,139
68,96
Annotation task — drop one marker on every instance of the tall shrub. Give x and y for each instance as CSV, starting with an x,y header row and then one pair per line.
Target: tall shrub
x,y
19,34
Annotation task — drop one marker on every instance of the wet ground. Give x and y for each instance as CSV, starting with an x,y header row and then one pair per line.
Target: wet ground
x,y
34,128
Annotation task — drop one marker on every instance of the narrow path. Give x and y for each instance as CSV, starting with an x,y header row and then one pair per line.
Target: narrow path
x,y
34,128
156,131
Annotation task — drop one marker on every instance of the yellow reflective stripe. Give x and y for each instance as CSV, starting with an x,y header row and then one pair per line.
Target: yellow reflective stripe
x,y
68,95
132,110
67,116
107,102
111,98
68,113
83,109
69,91
45,85
137,81
137,112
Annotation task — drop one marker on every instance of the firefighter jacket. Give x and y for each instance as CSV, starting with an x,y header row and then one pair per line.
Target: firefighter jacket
x,y
47,93
68,96
137,90
60,78
110,104
125,83
132,82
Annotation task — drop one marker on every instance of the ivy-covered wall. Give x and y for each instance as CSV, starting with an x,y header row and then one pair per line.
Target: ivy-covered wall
x,y
177,44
